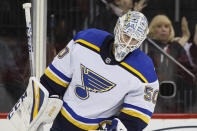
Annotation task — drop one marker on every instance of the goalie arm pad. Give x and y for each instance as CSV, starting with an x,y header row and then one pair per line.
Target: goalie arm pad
x,y
52,87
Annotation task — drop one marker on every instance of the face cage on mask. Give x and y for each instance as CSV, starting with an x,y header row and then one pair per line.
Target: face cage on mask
x,y
122,47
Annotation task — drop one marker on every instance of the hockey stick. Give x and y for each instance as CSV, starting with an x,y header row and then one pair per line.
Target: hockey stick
x,y
26,7
34,108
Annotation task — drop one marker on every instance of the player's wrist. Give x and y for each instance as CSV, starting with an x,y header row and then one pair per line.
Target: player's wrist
x,y
56,96
116,125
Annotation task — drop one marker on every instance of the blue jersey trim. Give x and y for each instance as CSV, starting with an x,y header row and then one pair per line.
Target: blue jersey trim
x,y
60,74
143,64
134,72
132,123
94,36
52,86
88,45
145,111
80,118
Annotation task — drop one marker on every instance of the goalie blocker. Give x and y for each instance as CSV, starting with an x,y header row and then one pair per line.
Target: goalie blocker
x,y
34,108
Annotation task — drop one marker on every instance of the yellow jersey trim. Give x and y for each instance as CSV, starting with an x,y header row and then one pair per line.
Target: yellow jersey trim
x,y
136,114
88,44
54,78
135,71
76,123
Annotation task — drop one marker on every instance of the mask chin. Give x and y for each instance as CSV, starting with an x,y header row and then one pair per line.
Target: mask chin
x,y
120,53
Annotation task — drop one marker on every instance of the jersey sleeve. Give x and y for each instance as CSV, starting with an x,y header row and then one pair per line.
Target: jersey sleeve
x,y
139,105
58,74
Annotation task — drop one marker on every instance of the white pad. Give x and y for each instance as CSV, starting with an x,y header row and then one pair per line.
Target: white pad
x,y
34,108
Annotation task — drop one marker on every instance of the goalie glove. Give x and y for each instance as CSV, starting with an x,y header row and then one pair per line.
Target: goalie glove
x,y
49,114
34,108
51,110
116,125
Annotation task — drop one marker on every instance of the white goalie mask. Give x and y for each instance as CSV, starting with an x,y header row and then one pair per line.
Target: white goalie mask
x,y
130,31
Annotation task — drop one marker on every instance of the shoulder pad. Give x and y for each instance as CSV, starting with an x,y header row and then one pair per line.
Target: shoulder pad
x,y
140,65
92,36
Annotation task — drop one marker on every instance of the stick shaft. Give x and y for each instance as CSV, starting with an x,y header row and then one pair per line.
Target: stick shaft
x,y
27,7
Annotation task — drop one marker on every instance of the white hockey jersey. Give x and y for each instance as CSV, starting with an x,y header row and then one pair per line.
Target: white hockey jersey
x,y
98,87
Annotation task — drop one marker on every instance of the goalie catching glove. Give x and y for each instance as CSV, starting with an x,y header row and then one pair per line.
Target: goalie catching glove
x,y
34,108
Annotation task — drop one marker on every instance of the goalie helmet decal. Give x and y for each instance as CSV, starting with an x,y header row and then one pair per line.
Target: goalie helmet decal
x,y
130,31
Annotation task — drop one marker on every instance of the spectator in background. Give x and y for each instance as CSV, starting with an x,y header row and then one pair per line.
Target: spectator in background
x,y
193,50
120,7
162,32
6,63
10,78
110,10
59,35
190,47
185,32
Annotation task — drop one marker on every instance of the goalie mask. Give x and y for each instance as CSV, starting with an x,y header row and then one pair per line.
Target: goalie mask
x,y
130,31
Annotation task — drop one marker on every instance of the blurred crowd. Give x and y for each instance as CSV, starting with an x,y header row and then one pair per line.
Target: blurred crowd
x,y
103,14
183,49
179,48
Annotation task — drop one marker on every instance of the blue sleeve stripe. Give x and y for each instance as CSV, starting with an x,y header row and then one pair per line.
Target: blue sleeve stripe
x,y
60,74
133,123
145,111
48,72
136,114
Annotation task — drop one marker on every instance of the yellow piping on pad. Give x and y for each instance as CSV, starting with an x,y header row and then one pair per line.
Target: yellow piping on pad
x,y
36,104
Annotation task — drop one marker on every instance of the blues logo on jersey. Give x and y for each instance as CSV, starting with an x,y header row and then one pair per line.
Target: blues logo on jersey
x,y
93,82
